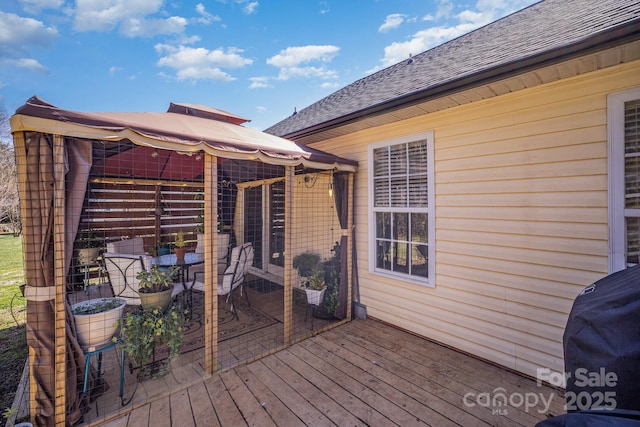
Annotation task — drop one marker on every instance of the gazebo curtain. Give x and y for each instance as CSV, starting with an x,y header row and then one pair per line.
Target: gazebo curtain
x,y
38,199
341,196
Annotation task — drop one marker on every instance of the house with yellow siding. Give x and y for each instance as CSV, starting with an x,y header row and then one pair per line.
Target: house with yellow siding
x,y
498,177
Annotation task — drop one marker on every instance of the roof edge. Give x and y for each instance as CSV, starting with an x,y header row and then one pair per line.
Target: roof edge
x,y
614,37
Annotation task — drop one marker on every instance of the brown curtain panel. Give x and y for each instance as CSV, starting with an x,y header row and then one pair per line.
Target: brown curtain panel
x,y
79,158
38,244
341,196
39,270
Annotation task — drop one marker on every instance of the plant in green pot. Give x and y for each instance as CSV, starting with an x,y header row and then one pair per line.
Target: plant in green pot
x,y
156,287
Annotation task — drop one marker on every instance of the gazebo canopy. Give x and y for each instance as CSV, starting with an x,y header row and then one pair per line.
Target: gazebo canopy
x,y
185,128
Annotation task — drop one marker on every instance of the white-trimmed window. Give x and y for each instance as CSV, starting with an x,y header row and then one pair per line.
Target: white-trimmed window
x,y
401,209
624,178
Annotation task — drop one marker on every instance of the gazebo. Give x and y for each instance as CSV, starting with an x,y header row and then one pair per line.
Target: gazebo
x,y
120,173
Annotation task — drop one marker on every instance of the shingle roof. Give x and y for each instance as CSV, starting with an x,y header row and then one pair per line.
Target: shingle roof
x,y
540,33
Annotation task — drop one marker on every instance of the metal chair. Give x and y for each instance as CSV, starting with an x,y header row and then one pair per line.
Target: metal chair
x,y
123,269
233,277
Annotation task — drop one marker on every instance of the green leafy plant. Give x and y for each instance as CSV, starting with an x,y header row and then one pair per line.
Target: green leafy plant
x,y
9,414
332,300
99,306
306,263
90,238
315,280
156,279
145,329
179,240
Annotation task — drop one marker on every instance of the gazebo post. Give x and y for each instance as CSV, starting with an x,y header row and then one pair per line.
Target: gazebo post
x,y
289,250
210,263
59,280
21,155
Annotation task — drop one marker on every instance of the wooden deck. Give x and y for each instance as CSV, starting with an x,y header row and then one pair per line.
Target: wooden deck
x,y
360,373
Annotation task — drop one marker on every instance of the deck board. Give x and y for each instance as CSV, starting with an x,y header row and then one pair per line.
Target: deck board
x,y
361,373
201,405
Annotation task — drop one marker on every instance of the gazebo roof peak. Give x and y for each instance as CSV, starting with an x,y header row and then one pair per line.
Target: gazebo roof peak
x,y
205,112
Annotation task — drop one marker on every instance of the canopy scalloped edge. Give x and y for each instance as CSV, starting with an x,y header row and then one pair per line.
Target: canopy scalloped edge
x,y
176,132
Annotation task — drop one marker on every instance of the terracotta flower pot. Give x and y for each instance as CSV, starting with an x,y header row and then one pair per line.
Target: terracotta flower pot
x,y
180,252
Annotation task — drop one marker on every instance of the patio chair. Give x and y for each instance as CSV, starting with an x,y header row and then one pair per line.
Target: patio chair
x,y
123,269
233,277
223,247
133,246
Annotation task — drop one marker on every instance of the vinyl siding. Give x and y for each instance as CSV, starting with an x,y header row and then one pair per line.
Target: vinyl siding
x,y
521,218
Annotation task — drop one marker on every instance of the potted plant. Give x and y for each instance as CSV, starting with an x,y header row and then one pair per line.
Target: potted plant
x,y
155,287
96,320
143,330
90,244
315,286
179,247
312,273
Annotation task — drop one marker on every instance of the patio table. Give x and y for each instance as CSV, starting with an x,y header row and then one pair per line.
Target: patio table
x,y
170,260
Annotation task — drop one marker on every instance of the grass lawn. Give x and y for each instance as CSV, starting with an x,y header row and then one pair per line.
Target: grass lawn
x,y
13,344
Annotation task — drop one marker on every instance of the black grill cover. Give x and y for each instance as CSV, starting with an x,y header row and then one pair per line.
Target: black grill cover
x,y
603,332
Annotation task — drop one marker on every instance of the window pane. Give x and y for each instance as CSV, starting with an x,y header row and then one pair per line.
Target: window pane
x,y
633,239
418,191
383,254
632,153
381,192
398,159
419,227
399,192
401,226
381,161
419,265
418,157
383,225
401,255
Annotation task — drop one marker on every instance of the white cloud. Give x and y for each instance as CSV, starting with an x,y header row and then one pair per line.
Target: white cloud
x,y
330,85
297,55
26,63
393,21
461,23
251,8
261,109
259,82
17,32
290,60
133,18
105,15
113,69
18,35
199,63
205,17
134,27
35,6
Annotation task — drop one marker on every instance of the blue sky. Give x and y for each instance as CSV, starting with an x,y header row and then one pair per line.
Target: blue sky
x,y
257,59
